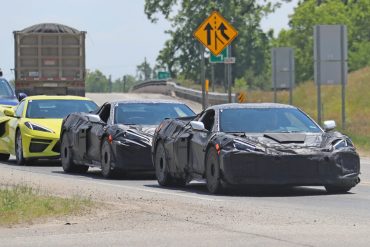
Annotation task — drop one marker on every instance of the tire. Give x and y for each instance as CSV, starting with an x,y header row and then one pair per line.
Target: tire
x,y
66,157
4,157
338,189
213,174
20,160
106,157
161,166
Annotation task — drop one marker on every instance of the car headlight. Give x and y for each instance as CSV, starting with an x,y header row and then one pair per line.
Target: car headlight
x,y
240,145
136,137
37,127
342,143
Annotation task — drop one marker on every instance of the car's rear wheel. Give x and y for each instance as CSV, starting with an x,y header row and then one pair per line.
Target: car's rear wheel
x,y
106,161
4,157
19,149
213,174
338,189
66,157
161,166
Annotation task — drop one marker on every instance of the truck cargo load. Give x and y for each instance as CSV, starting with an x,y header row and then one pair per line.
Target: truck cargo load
x,y
50,60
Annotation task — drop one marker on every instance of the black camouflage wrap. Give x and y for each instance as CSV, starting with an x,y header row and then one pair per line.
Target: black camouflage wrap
x,y
130,145
273,159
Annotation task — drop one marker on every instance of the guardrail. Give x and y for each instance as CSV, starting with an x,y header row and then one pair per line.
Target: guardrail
x,y
171,88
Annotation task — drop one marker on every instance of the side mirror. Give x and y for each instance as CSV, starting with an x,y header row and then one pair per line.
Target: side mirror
x,y
9,112
196,125
329,125
21,96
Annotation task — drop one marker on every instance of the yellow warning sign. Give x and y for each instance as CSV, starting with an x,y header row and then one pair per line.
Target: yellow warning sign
x,y
242,97
215,33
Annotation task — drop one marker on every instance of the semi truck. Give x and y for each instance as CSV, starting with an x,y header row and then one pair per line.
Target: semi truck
x,y
50,60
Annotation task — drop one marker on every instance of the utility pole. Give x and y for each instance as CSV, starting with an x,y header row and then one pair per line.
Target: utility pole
x,y
124,83
146,77
110,83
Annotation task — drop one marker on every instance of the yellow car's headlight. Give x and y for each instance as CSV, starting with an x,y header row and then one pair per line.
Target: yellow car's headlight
x,y
37,127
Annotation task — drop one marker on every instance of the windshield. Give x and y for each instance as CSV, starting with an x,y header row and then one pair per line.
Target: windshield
x,y
57,108
266,120
5,90
149,113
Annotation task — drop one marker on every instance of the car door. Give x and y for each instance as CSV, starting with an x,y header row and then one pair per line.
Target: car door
x,y
12,126
95,133
199,141
181,150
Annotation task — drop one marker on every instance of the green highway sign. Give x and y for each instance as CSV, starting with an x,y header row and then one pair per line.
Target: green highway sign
x,y
162,75
220,58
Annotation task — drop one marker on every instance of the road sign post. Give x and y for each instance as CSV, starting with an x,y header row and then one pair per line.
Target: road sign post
x,y
229,77
283,70
219,58
215,33
330,52
213,80
163,75
202,76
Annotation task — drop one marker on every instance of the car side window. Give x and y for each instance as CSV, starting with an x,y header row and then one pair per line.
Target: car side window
x,y
208,119
19,111
105,113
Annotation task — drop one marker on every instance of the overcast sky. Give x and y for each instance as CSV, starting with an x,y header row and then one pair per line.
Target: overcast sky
x,y
119,35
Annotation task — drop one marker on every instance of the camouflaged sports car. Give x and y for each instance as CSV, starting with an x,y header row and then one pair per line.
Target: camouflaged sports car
x,y
259,144
117,138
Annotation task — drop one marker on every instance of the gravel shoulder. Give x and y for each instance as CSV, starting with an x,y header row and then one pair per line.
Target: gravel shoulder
x,y
136,217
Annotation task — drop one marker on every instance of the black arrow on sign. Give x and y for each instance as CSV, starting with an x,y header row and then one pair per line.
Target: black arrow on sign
x,y
208,28
222,28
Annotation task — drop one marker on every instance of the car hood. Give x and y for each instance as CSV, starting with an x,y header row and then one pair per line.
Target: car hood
x,y
291,142
52,124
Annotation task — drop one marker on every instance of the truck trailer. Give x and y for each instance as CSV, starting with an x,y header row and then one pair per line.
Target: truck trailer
x,y
50,60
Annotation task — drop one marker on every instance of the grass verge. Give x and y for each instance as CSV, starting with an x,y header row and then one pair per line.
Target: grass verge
x,y
305,97
22,204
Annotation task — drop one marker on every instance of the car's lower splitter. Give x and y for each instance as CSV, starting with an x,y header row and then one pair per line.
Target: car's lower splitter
x,y
133,157
317,169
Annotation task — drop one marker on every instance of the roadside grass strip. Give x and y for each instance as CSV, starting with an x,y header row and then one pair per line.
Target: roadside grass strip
x,y
23,204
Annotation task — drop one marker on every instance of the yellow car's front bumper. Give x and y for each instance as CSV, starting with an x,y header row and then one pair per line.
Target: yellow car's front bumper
x,y
38,144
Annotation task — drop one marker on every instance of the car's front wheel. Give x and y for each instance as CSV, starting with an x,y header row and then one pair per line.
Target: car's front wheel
x,y
106,161
66,157
19,150
4,157
213,174
161,166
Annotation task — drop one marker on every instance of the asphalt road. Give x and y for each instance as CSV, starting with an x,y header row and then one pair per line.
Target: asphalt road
x,y
301,216
135,211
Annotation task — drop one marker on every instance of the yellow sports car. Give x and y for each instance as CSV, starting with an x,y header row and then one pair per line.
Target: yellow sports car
x,y
31,129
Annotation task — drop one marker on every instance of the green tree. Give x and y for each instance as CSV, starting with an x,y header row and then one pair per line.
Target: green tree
x,y
96,81
181,54
354,14
144,71
124,84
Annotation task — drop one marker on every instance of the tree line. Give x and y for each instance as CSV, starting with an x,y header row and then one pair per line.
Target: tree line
x,y
180,55
252,48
